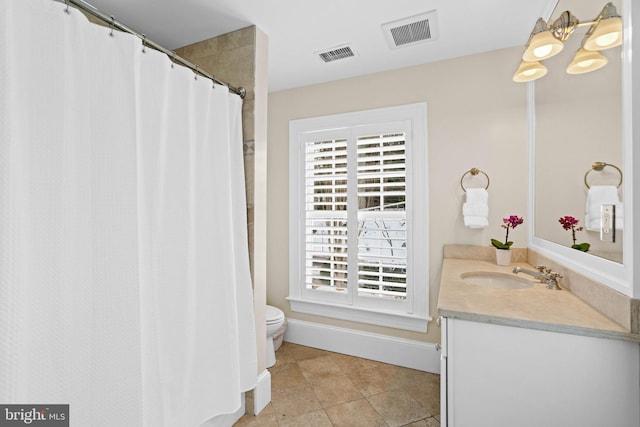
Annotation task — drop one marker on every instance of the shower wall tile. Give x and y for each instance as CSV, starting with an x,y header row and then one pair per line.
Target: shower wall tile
x,y
199,50
249,163
248,120
249,147
251,240
235,39
230,57
225,42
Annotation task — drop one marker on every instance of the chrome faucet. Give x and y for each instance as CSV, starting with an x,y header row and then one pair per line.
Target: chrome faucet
x,y
546,276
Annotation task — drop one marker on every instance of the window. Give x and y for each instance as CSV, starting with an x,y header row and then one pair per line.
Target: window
x,y
358,217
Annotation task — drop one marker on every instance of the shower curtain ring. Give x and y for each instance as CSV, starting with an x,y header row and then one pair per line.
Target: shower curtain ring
x,y
113,23
144,38
197,71
173,57
67,8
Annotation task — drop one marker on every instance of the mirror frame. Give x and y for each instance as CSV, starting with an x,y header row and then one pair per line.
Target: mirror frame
x,y
615,275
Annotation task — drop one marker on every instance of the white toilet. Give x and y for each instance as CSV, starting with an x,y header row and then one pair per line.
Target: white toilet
x,y
275,320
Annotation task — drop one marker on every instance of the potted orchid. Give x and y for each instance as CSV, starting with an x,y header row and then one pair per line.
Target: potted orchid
x,y
503,252
571,223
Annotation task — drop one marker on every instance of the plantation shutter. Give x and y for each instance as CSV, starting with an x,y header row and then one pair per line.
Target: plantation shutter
x,y
375,171
359,218
382,219
326,214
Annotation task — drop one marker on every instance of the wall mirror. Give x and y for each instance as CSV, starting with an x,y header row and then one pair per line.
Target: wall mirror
x,y
577,120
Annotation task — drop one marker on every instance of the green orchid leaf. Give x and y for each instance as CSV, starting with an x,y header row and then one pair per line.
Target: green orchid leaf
x,y
584,247
498,244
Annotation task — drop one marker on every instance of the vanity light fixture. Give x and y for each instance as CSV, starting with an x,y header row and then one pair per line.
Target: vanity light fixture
x,y
542,43
586,61
529,71
607,30
547,40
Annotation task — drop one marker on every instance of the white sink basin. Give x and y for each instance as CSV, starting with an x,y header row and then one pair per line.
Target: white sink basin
x,y
496,280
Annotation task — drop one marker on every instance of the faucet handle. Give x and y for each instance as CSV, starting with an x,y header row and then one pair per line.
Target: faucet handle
x,y
554,275
541,268
552,282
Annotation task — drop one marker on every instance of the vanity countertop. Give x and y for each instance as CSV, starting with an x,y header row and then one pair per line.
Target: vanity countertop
x,y
535,308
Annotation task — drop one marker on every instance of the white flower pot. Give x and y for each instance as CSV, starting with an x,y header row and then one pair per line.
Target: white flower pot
x,y
503,256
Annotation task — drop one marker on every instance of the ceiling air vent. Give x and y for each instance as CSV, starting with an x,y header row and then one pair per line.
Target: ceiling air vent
x,y
412,30
336,53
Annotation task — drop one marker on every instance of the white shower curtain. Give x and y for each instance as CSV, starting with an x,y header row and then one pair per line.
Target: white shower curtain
x,y
124,274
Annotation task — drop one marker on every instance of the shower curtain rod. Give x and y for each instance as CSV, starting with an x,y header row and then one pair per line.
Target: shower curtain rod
x,y
150,43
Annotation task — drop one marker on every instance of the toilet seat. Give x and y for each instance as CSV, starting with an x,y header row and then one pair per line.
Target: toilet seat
x,y
274,315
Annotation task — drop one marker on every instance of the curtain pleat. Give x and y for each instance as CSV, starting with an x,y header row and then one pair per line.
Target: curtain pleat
x,y
124,274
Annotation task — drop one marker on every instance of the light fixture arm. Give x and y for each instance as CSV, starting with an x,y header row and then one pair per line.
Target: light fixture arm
x,y
564,26
566,23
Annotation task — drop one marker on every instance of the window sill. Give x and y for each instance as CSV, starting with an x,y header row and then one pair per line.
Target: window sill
x,y
407,322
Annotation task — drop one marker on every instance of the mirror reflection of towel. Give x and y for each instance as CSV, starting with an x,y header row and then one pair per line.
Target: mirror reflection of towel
x,y
597,196
476,208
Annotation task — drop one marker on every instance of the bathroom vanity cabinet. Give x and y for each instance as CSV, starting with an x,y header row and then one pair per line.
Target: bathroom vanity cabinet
x,y
528,356
495,375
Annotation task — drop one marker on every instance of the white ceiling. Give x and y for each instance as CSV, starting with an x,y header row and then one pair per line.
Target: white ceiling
x,y
297,29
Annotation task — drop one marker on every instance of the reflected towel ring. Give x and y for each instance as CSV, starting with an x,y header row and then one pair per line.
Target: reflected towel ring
x,y
474,172
598,166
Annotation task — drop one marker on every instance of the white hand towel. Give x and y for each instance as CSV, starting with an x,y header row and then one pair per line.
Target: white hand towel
x,y
597,196
476,208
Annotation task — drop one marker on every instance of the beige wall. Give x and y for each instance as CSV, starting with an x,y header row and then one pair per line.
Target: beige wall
x,y
476,117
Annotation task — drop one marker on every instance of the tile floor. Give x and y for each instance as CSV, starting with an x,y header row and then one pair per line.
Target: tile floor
x,y
311,387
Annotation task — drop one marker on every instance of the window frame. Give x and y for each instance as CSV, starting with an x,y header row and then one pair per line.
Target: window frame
x,y
413,313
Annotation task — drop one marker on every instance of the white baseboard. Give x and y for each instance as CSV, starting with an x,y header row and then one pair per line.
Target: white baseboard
x,y
397,351
262,392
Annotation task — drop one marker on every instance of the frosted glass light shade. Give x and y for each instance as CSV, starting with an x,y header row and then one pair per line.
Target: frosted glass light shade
x,y
607,34
528,71
586,61
542,44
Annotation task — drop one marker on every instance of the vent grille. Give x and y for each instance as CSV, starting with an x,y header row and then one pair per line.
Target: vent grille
x,y
411,33
411,30
336,53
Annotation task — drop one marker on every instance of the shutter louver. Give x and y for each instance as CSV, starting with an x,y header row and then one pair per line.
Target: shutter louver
x,y
326,215
382,220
